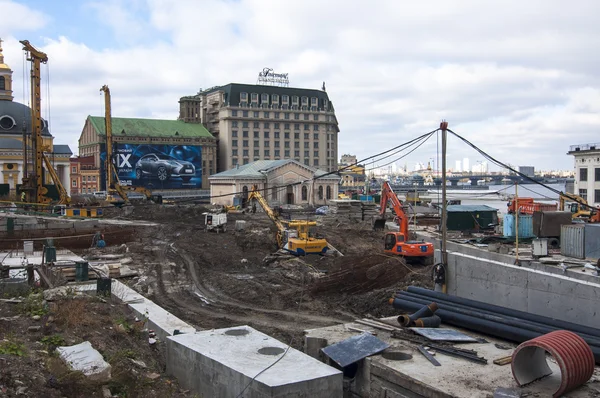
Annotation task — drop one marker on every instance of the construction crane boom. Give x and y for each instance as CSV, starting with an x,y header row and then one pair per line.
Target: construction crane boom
x,y
34,184
113,184
65,199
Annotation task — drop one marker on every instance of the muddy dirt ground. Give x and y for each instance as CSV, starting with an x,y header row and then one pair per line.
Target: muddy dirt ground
x,y
31,329
220,280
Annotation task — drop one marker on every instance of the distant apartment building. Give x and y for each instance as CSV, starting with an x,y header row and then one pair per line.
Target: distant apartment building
x,y
587,171
347,160
529,171
262,122
85,177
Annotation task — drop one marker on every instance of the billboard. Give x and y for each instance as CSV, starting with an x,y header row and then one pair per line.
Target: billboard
x,y
157,166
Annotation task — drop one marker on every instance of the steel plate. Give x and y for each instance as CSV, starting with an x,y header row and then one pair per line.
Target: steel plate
x,y
440,334
354,349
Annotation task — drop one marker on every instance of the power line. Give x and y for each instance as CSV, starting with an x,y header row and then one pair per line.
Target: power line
x,y
503,165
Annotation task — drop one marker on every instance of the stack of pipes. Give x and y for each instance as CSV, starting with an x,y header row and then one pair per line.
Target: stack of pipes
x,y
491,319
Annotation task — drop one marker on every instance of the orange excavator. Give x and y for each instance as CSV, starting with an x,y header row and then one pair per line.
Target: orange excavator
x,y
398,243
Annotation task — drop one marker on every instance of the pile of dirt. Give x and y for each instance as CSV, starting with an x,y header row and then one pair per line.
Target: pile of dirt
x,y
32,329
359,274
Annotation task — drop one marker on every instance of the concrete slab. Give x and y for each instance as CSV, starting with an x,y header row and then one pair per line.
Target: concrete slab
x,y
380,377
222,362
15,259
161,321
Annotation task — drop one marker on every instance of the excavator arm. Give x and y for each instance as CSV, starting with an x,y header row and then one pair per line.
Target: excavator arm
x,y
255,195
387,196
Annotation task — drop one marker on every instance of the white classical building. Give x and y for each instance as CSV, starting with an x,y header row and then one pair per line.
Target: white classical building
x,y
273,178
587,171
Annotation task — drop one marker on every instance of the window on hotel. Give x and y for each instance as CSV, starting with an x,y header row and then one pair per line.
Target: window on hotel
x,y
244,97
583,174
597,174
74,169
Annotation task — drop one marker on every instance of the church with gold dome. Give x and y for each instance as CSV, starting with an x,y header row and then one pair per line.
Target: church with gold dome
x,y
15,125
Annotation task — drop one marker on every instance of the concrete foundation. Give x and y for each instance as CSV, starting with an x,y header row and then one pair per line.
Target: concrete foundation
x,y
455,378
223,362
524,288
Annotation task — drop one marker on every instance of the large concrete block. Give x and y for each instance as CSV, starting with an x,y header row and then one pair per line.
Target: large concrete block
x,y
564,307
223,362
492,292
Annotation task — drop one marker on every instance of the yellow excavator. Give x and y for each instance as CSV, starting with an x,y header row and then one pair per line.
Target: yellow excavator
x,y
292,236
116,193
580,209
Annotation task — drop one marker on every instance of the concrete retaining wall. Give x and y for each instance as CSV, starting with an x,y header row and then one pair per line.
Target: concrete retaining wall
x,y
523,288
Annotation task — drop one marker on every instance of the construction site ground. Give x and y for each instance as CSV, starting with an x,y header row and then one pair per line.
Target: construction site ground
x,y
214,280
31,329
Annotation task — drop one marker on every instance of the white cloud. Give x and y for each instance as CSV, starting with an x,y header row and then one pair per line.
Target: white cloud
x,y
517,78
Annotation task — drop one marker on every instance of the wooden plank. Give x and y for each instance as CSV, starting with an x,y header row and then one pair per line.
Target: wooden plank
x,y
503,360
367,323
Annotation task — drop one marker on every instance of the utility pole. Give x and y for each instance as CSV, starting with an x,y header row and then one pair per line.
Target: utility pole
x,y
443,127
517,221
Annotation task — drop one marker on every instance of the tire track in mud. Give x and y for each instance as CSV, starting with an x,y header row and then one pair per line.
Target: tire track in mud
x,y
220,299
221,310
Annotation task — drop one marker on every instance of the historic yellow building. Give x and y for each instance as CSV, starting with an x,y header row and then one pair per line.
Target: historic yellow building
x,y
15,122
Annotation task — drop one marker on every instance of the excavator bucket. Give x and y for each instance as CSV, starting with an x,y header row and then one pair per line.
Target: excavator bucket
x,y
379,224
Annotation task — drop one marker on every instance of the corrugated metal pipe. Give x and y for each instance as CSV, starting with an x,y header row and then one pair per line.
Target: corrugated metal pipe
x,y
494,324
572,354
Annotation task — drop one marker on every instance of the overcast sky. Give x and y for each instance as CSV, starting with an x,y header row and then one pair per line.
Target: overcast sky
x,y
517,78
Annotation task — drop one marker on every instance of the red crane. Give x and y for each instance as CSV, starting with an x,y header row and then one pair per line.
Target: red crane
x,y
398,243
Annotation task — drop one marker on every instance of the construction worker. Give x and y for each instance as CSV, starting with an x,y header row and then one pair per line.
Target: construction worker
x,y
23,196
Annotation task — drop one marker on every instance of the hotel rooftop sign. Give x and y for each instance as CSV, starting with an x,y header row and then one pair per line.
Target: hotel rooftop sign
x,y
270,78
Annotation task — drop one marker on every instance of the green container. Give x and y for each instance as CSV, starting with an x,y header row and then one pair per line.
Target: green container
x,y
103,286
81,271
50,254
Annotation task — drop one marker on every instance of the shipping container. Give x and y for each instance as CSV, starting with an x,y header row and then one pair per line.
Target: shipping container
x,y
525,226
546,224
572,239
471,217
592,241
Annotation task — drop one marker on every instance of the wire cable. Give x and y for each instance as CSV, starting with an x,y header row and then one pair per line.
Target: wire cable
x,y
423,140
503,165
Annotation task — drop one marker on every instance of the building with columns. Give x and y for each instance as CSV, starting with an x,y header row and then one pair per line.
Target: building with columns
x,y
282,182
15,124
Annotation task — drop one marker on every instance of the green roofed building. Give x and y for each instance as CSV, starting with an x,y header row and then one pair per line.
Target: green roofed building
x,y
157,154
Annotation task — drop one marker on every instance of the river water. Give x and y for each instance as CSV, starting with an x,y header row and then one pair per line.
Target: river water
x,y
496,196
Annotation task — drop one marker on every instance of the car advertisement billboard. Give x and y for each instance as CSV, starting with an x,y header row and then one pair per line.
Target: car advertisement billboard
x,y
158,166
